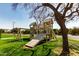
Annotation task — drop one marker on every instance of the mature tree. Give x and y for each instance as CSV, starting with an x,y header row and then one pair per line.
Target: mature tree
x,y
26,31
1,31
61,12
14,30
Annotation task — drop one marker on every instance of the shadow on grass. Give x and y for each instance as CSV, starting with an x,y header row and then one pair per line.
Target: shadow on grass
x,y
41,51
25,39
45,41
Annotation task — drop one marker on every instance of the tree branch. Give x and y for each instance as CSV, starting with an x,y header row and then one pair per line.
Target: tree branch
x,y
67,8
71,14
50,6
58,5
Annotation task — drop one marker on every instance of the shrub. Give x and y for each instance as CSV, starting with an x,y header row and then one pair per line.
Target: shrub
x,y
74,31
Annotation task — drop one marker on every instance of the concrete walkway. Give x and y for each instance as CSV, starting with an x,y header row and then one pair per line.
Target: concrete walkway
x,y
74,37
71,36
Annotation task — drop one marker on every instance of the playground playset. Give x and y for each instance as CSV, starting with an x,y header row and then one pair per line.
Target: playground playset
x,y
40,32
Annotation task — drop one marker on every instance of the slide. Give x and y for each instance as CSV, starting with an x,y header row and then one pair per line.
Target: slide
x,y
35,41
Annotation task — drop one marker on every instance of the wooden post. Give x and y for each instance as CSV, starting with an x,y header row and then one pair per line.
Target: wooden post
x,y
13,29
18,34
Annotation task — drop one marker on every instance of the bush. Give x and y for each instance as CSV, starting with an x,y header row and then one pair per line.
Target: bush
x,y
14,30
27,31
74,31
59,32
1,31
55,31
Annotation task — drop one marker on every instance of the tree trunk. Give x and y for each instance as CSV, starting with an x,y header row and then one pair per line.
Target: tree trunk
x,y
61,21
65,50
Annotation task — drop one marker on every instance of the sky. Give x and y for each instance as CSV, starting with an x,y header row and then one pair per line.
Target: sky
x,y
8,16
21,18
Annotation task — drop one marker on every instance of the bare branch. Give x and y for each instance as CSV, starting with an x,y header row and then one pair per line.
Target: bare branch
x,y
71,13
71,18
14,6
50,6
58,5
37,8
67,8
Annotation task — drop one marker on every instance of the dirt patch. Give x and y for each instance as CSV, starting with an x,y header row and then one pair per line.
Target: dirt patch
x,y
57,50
73,52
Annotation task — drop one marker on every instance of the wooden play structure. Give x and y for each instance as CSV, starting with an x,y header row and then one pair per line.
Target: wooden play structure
x,y
40,32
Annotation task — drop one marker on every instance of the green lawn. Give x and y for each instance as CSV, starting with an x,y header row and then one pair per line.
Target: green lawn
x,y
13,47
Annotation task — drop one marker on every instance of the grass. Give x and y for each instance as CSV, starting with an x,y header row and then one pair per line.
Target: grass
x,y
16,49
13,47
5,35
